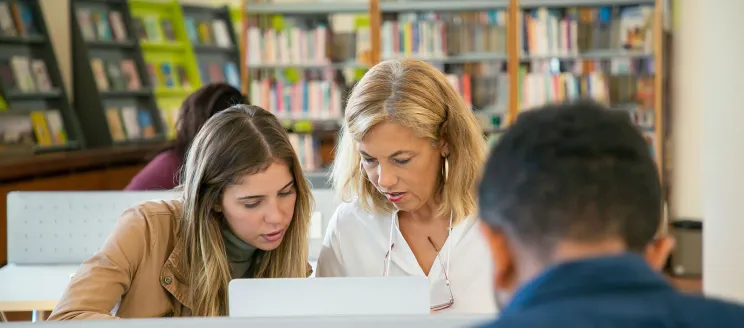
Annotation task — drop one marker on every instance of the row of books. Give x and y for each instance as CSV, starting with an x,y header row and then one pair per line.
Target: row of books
x,y
292,44
482,86
154,29
25,74
129,123
541,88
437,35
115,75
174,76
205,33
16,19
101,25
313,96
44,128
615,81
306,147
168,75
212,73
576,30
307,40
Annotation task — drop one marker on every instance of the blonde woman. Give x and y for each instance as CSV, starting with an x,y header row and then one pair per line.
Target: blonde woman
x,y
406,167
244,213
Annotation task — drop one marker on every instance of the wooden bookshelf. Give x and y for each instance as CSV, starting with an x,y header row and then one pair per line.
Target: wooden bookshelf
x,y
28,96
514,58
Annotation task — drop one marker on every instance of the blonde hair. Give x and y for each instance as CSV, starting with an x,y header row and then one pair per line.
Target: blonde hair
x,y
237,141
419,96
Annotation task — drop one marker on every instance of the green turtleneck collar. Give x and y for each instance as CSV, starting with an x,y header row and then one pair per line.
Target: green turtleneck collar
x,y
239,253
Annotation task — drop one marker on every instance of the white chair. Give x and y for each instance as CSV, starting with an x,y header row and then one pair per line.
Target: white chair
x,y
50,234
66,227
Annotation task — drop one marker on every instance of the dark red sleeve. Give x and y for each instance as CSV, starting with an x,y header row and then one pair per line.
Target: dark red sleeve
x,y
160,174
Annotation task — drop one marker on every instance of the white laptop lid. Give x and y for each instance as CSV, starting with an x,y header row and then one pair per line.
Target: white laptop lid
x,y
328,296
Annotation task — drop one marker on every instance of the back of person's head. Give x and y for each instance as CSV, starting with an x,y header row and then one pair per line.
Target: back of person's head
x,y
575,174
241,172
198,107
418,98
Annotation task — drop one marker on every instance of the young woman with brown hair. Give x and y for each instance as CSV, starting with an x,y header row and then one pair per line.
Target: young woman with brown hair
x,y
244,212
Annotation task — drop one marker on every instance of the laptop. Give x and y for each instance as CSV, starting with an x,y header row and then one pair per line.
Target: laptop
x,y
288,297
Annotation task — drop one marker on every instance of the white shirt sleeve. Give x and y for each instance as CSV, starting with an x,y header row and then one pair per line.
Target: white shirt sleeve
x,y
330,260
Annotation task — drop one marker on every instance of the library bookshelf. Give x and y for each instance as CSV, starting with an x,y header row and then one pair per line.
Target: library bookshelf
x,y
169,58
35,114
113,98
522,61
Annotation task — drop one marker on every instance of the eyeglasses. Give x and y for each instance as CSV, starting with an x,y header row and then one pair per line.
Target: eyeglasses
x,y
451,301
437,307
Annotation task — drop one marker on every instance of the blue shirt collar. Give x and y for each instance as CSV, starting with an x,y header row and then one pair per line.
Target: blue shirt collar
x,y
594,275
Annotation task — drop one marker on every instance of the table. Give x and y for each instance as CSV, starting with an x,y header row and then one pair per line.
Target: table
x,y
35,288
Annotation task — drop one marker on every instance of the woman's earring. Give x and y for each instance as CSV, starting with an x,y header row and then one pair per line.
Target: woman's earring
x,y
445,169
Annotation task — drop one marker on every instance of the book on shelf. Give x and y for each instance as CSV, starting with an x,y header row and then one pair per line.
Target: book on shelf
x,y
117,25
115,75
99,74
577,30
139,28
626,82
41,129
307,95
7,25
439,35
102,27
153,32
167,28
41,75
131,77
129,123
288,40
221,34
205,33
25,75
191,32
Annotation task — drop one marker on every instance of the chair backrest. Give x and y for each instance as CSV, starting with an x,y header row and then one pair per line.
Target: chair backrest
x,y
66,227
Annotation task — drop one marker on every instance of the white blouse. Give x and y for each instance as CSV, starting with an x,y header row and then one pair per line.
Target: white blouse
x,y
356,244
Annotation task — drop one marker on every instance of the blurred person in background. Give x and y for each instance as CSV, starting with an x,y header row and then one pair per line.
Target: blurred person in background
x,y
162,172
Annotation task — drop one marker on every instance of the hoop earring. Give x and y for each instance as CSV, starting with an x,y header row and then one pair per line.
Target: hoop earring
x,y
445,169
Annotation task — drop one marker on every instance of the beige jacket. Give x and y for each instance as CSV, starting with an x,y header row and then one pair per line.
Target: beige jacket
x,y
136,273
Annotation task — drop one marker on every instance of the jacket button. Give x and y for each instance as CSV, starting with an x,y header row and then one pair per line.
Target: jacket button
x,y
167,280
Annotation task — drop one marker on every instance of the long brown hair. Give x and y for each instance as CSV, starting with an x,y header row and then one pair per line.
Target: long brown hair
x,y
240,140
416,95
198,107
